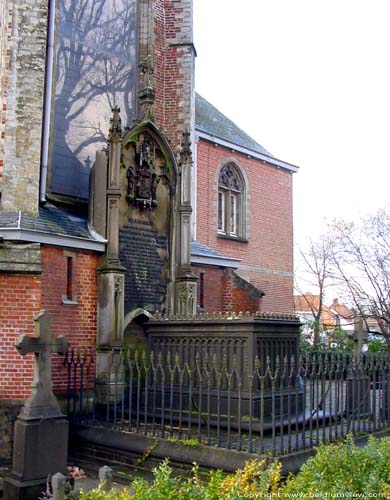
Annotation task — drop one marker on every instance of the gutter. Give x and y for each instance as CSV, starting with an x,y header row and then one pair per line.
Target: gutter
x,y
249,152
47,100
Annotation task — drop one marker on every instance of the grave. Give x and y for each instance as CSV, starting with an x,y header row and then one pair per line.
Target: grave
x,y
41,430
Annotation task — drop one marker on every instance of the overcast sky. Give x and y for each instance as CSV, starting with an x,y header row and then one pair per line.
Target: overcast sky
x,y
310,81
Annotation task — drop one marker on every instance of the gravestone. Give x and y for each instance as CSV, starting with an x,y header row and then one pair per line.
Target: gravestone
x,y
358,382
41,430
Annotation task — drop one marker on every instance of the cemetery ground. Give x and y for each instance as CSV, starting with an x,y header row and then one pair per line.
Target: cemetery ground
x,y
264,418
338,470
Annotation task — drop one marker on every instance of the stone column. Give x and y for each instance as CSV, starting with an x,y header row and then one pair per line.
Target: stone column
x,y
185,280
111,273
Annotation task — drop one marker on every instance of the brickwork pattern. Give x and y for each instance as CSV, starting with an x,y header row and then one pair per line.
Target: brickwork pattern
x,y
77,321
222,293
174,68
267,257
20,298
23,296
214,283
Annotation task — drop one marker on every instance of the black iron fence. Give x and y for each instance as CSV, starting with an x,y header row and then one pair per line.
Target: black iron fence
x,y
276,408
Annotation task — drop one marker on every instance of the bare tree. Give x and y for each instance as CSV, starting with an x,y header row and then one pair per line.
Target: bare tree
x,y
317,273
362,260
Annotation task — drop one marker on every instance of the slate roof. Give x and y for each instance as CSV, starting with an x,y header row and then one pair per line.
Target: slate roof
x,y
210,120
204,251
201,253
51,220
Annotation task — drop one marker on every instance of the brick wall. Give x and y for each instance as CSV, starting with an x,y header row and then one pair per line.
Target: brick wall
x,y
213,278
23,296
174,67
221,290
76,319
267,257
20,299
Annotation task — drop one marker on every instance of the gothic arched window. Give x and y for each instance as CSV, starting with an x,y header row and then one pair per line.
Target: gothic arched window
x,y
231,194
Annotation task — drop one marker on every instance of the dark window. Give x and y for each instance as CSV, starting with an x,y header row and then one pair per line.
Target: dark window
x,y
69,278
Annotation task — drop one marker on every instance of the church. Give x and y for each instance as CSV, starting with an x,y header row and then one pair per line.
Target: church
x,y
124,194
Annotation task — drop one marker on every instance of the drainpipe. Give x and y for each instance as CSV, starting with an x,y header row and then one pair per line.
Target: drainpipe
x,y
47,100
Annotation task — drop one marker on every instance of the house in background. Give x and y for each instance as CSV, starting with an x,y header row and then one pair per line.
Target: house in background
x,y
306,307
343,316
333,317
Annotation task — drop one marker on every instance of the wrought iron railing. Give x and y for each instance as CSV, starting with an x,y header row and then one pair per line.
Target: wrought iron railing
x,y
277,408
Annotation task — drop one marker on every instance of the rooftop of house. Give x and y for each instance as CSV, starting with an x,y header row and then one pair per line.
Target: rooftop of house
x,y
310,303
341,310
210,120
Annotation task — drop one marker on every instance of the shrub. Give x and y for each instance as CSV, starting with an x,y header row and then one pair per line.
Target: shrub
x,y
344,468
340,469
164,487
254,481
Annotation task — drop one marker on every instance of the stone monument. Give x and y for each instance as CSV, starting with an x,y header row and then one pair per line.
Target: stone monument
x,y
41,430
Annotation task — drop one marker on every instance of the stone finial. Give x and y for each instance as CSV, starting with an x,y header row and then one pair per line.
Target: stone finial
x,y
115,132
146,93
185,152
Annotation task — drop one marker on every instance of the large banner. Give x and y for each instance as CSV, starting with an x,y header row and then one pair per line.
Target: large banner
x,y
95,70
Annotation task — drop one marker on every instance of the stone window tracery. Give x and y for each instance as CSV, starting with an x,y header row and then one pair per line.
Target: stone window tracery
x,y
231,195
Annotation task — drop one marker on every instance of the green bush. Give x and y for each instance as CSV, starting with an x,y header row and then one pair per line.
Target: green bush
x,y
254,481
344,468
336,469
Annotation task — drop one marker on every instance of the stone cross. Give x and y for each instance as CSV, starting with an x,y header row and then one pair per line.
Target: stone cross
x,y
42,403
359,336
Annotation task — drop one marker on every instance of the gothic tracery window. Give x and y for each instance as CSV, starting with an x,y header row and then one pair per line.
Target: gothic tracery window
x,y
231,192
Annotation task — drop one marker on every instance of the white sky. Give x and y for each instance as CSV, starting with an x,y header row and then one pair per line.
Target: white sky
x,y
310,81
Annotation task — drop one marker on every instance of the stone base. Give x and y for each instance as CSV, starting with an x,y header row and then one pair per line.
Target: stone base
x,y
40,449
23,490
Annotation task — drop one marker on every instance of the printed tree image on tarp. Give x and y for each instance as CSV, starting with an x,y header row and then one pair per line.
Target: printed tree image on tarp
x,y
95,70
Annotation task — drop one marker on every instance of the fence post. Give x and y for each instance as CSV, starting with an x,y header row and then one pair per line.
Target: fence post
x,y
58,482
105,477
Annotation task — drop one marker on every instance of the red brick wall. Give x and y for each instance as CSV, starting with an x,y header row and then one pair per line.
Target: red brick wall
x,y
23,296
268,254
242,301
77,322
20,299
173,61
222,293
214,286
